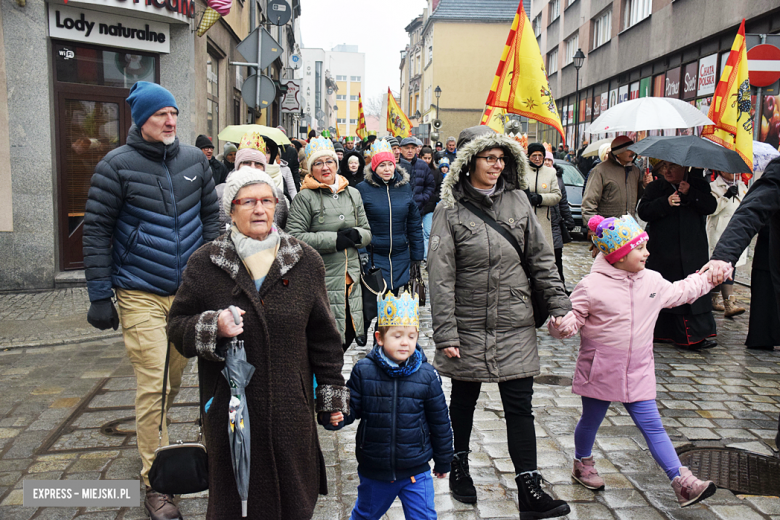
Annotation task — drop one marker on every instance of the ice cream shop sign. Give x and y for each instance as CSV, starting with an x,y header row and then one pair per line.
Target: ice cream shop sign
x,y
180,11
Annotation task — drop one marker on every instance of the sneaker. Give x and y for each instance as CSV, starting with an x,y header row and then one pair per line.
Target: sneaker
x,y
461,484
585,473
534,502
160,506
689,489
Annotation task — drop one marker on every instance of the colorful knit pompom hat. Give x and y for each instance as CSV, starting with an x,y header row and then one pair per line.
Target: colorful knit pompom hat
x,y
616,237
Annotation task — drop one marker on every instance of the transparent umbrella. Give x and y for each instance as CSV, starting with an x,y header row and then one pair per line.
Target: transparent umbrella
x,y
238,372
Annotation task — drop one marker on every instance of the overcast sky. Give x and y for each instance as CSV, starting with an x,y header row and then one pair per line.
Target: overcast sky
x,y
377,28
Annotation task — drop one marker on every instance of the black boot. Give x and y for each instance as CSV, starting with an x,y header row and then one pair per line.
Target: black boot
x,y
534,502
461,485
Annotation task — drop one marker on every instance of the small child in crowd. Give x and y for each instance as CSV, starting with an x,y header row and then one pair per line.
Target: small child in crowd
x,y
404,420
616,307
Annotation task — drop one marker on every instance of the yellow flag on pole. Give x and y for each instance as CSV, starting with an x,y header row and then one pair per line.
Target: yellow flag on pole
x,y
520,85
730,108
494,118
360,131
397,123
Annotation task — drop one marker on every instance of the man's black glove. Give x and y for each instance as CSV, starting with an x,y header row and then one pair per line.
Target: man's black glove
x,y
348,237
731,192
102,315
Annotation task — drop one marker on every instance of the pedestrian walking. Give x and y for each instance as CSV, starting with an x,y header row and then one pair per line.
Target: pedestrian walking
x,y
229,157
728,190
396,229
218,171
675,207
328,215
430,206
150,205
483,320
561,218
451,150
543,191
399,434
278,285
615,307
420,175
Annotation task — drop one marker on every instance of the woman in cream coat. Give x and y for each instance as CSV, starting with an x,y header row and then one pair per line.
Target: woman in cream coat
x,y
543,191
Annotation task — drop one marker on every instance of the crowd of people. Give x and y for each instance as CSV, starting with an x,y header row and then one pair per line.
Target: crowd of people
x,y
286,233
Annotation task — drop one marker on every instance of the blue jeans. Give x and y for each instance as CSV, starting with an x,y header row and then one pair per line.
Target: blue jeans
x,y
427,220
376,496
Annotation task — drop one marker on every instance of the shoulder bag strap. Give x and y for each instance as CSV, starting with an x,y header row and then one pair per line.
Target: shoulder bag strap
x,y
501,230
164,388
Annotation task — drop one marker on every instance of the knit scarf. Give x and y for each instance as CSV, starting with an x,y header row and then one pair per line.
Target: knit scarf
x,y
257,255
393,369
275,172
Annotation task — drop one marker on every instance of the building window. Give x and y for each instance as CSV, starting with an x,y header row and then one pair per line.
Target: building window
x,y
635,11
353,121
353,98
341,121
212,95
538,25
552,61
430,53
354,78
572,44
569,2
341,78
341,97
555,10
602,29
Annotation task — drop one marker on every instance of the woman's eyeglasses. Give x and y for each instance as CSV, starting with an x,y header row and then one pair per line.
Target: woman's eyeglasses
x,y
251,203
319,164
492,159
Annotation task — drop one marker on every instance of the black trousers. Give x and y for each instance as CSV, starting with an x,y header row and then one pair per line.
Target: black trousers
x,y
559,264
349,332
516,398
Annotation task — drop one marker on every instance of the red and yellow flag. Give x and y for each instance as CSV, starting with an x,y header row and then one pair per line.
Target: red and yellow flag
x,y
361,130
521,85
397,123
730,108
494,118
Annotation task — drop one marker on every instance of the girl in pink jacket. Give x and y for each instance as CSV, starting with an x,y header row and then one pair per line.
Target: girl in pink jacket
x,y
615,308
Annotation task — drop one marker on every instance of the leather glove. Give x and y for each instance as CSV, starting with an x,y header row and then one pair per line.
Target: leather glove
x,y
534,198
347,237
731,192
102,315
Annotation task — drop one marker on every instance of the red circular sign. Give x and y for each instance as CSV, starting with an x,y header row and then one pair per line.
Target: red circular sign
x,y
763,65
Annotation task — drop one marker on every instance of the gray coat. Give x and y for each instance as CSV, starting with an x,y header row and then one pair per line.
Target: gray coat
x,y
479,292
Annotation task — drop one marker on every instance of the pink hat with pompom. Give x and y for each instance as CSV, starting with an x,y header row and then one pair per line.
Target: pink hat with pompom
x,y
615,237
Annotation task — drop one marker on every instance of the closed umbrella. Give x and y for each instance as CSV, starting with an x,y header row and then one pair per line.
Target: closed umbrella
x,y
691,151
649,113
593,148
238,372
234,133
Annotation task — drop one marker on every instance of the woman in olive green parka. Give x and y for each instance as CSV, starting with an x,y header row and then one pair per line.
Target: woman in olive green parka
x,y
328,215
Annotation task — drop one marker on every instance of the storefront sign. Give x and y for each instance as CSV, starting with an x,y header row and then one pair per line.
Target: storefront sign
x,y
644,88
604,101
672,83
634,91
161,10
623,93
613,97
291,102
98,28
707,77
690,75
659,84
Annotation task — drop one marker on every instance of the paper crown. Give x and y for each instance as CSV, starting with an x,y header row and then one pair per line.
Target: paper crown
x,y
380,146
318,145
616,237
252,140
325,133
444,160
398,312
349,139
367,153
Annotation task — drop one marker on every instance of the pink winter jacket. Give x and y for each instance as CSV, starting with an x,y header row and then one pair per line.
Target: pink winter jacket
x,y
616,312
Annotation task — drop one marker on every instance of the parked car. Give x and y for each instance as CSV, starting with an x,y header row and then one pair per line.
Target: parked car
x,y
574,181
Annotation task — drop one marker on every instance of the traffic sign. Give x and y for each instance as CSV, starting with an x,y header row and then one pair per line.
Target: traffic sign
x,y
296,62
278,12
267,91
269,51
763,65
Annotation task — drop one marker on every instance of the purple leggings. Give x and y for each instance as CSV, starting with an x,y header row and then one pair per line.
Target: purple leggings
x,y
645,416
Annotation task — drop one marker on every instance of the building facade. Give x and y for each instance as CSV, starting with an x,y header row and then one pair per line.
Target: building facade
x,y
638,48
65,72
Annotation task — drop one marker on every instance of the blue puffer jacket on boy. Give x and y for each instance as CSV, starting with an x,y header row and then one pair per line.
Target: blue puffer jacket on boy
x,y
404,420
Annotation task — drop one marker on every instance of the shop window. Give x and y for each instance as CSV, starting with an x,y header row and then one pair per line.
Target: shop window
x,y
572,44
602,29
212,95
634,11
103,67
552,61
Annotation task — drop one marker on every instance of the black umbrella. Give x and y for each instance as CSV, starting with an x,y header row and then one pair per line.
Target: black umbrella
x,y
691,151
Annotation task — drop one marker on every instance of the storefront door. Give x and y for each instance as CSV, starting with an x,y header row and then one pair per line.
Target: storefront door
x,y
92,118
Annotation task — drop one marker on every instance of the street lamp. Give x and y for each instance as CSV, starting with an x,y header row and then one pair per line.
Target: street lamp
x,y
579,59
438,94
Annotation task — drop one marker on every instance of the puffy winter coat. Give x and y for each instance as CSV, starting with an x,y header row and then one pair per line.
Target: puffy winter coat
x,y
479,292
616,311
610,191
719,219
404,420
150,206
353,178
218,171
421,178
316,215
542,180
396,227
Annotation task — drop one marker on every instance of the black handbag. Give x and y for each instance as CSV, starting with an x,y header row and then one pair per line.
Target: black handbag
x,y
416,283
538,302
180,468
373,286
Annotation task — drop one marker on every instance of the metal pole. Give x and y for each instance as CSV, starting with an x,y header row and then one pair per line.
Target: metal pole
x,y
577,112
760,107
257,77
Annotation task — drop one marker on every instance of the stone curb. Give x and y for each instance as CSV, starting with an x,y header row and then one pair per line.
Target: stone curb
x,y
65,341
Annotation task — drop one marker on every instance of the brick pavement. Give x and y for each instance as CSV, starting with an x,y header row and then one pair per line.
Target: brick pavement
x,y
67,414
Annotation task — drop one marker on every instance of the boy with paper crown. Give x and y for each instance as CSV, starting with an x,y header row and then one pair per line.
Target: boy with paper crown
x,y
616,307
404,420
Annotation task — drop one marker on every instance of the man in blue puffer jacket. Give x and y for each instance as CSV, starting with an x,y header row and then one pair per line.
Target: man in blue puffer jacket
x,y
404,421
150,206
421,175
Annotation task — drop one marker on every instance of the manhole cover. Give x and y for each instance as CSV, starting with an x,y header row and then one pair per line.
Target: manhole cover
x,y
739,471
549,379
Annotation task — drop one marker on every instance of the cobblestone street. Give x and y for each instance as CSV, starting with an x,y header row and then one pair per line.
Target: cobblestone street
x,y
67,413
